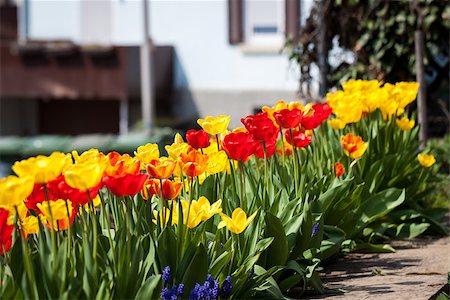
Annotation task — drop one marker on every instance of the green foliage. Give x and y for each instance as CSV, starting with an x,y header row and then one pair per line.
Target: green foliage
x,y
379,34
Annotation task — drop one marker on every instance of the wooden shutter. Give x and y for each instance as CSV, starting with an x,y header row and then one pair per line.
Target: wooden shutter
x,y
235,22
292,19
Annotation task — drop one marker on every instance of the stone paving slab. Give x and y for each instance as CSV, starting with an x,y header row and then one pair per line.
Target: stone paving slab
x,y
418,270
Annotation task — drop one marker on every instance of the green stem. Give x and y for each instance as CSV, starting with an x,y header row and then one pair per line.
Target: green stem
x,y
266,176
107,220
188,213
52,232
242,191
95,230
233,180
294,152
27,263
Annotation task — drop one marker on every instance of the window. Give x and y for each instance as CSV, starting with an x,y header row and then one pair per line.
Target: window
x,y
263,23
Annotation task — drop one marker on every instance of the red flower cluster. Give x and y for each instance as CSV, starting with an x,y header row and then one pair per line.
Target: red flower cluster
x,y
263,131
197,139
5,232
260,127
59,189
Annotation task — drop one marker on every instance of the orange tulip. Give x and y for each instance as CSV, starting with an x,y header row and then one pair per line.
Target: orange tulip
x,y
353,146
161,168
193,163
339,169
121,164
170,189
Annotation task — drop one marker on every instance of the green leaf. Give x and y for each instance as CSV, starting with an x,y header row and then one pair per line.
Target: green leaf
x,y
197,270
277,253
411,230
167,249
383,248
304,237
374,208
218,264
150,289
332,244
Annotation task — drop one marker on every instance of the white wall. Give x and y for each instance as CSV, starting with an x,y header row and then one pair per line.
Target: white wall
x,y
197,30
55,19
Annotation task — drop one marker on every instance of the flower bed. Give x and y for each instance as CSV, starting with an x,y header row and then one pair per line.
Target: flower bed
x,y
245,213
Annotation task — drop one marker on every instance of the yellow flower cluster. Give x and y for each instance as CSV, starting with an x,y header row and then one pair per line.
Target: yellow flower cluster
x,y
361,96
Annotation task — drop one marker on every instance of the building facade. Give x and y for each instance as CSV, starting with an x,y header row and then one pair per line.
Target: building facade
x,y
227,54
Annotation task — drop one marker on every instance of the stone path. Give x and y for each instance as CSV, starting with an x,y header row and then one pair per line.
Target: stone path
x,y
418,270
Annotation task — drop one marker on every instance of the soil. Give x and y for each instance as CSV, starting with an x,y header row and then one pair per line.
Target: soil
x,y
418,270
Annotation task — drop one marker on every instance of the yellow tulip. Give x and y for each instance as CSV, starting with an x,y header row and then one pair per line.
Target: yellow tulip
x,y
145,154
336,124
57,212
14,190
205,209
426,160
29,225
194,217
217,162
407,92
405,124
347,107
214,125
175,150
43,168
22,211
238,221
89,155
178,139
212,148
280,105
84,176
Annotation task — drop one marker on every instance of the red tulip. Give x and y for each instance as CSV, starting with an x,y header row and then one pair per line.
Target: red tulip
x,y
299,138
125,184
260,127
321,113
239,145
197,139
288,118
5,232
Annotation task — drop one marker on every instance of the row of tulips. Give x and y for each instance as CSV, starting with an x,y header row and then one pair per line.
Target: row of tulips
x,y
290,190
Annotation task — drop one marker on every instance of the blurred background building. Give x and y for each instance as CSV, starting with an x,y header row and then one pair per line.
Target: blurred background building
x,y
73,66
